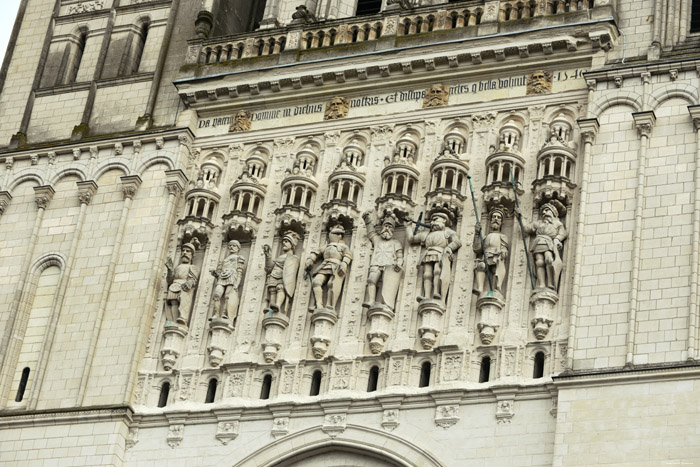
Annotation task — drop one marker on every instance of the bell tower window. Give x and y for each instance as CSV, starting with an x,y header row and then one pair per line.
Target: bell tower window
x,y
368,7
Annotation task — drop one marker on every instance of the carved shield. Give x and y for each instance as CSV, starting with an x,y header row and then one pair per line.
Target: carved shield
x,y
289,274
390,286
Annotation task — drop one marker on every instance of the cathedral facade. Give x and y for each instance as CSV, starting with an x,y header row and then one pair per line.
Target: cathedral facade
x,y
350,232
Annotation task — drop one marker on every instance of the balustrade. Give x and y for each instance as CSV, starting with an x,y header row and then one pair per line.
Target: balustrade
x,y
336,32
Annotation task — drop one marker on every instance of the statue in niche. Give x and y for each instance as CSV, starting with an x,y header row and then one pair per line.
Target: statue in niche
x,y
281,274
228,273
546,247
496,254
386,263
440,244
330,275
182,282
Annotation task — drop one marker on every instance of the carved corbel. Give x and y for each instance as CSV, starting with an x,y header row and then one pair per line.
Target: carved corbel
x,y
176,433
43,196
228,426
132,438
645,122
505,403
694,111
5,199
176,181
391,406
86,190
446,415
447,408
280,419
130,184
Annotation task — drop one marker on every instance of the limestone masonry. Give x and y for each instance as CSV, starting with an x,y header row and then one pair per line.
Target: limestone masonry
x,y
350,233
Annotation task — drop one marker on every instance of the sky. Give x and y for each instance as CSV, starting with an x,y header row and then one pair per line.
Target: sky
x,y
8,13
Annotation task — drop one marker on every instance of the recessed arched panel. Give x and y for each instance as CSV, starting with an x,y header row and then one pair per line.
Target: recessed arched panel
x,y
374,445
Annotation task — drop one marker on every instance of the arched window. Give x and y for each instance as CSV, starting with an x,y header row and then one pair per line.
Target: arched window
x,y
22,385
538,370
164,393
257,11
35,330
485,369
424,375
211,391
373,379
131,63
75,58
266,386
695,17
316,383
368,7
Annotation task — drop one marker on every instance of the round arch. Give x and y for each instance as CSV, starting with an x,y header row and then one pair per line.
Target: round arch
x,y
386,449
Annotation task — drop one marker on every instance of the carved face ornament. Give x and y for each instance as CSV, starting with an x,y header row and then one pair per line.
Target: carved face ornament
x,y
186,257
496,221
387,231
438,223
234,247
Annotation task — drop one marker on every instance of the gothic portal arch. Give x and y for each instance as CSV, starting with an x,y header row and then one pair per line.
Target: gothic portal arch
x,y
356,445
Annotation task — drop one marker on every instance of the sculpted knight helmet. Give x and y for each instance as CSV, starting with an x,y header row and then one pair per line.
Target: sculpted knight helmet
x,y
292,237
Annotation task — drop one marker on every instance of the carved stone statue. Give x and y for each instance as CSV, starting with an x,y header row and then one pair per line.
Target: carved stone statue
x,y
281,274
440,244
228,273
497,247
546,247
335,260
182,282
386,263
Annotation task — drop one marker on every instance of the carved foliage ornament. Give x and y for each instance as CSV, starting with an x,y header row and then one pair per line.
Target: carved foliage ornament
x,y
86,7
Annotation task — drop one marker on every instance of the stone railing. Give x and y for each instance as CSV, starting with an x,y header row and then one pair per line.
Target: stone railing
x,y
422,20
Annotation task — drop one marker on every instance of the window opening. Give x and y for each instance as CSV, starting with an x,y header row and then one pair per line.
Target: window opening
x,y
538,370
485,369
316,383
695,16
140,46
164,392
424,375
373,379
266,386
211,391
368,7
22,385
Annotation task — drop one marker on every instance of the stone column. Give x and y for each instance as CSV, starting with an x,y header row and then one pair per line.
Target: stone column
x,y
12,339
130,184
86,190
645,123
589,129
695,258
175,181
